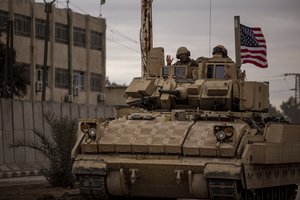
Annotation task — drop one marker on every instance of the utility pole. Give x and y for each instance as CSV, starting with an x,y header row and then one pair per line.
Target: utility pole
x,y
146,38
11,58
297,85
6,58
48,9
70,67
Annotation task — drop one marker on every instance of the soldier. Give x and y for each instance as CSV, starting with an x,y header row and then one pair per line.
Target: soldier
x,y
183,54
220,52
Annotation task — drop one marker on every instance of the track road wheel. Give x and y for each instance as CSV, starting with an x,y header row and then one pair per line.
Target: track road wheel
x,y
93,188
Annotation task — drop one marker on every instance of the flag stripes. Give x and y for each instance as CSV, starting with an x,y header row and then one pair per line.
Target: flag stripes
x,y
253,46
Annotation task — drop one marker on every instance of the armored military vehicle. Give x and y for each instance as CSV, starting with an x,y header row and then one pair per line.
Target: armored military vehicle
x,y
196,132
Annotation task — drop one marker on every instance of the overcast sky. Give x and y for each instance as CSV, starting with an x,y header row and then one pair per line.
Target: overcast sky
x,y
186,23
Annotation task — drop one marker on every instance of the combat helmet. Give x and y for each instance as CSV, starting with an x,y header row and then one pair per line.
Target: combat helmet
x,y
220,50
182,50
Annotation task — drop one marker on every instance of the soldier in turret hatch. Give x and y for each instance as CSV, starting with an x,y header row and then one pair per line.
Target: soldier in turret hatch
x,y
183,54
220,52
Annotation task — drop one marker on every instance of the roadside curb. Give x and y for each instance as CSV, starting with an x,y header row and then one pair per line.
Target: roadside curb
x,y
19,174
11,171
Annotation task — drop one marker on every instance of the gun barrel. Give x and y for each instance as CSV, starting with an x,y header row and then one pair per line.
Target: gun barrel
x,y
173,92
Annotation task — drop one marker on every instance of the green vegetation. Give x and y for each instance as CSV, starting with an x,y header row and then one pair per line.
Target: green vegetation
x,y
56,148
291,109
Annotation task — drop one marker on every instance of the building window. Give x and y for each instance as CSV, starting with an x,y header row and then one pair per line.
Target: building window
x,y
61,78
79,37
23,73
3,19
40,28
96,82
22,25
96,40
61,33
39,73
78,79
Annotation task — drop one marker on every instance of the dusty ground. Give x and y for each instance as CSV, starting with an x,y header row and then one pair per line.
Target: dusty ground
x,y
34,188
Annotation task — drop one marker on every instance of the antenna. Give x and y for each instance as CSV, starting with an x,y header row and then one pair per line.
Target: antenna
x,y
209,45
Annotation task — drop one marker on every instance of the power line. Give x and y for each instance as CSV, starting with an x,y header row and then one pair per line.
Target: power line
x,y
111,29
114,41
114,31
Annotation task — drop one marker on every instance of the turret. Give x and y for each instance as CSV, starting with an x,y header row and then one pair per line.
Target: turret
x,y
216,84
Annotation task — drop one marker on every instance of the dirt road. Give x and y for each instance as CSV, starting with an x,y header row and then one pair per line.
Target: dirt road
x,y
37,188
34,188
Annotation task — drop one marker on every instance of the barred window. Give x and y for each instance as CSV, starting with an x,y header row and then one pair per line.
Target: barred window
x,y
61,78
78,79
96,40
39,73
96,82
61,33
3,19
40,28
79,37
22,25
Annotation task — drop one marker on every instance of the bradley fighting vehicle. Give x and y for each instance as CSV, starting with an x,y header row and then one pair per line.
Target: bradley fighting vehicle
x,y
196,132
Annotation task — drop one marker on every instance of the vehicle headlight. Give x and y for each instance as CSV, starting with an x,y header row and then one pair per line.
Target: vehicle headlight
x,y
220,135
85,127
92,133
228,131
89,128
223,132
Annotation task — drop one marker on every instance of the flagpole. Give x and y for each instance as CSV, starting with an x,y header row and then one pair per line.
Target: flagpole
x,y
100,15
101,3
237,35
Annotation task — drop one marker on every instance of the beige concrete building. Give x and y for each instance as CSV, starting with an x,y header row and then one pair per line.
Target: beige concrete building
x,y
87,45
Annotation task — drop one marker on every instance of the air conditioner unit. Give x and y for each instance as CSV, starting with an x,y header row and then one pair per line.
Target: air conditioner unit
x,y
75,90
69,98
38,86
101,97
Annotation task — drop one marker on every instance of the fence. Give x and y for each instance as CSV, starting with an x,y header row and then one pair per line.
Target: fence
x,y
18,119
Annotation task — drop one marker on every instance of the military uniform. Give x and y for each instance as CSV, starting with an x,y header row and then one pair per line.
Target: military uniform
x,y
183,54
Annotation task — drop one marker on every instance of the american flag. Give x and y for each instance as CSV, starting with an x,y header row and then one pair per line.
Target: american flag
x,y
253,47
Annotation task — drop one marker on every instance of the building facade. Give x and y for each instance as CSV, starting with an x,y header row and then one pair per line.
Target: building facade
x,y
87,47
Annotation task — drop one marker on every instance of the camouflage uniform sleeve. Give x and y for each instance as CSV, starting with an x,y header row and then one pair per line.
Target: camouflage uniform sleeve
x,y
193,63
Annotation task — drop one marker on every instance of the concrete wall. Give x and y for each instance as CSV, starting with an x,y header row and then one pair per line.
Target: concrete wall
x,y
18,119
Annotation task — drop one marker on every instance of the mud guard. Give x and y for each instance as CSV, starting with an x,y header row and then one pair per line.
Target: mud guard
x,y
219,171
89,167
